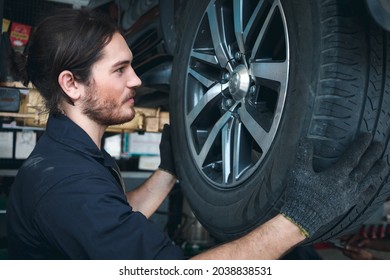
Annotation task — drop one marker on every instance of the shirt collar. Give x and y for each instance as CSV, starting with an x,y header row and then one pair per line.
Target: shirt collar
x,y
64,130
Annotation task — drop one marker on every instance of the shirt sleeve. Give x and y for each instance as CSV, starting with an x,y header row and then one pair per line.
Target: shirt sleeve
x,y
87,217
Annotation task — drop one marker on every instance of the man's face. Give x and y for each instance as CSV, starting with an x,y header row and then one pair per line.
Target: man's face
x,y
109,99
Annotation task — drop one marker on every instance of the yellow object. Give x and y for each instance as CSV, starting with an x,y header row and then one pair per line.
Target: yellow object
x,y
5,26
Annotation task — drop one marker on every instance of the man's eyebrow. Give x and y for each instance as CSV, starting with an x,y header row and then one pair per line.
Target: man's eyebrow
x,y
121,62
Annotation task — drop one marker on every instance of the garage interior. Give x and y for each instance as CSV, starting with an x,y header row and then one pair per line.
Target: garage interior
x,y
135,144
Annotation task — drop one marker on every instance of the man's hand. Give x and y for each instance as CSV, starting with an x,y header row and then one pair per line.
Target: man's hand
x,y
313,199
357,253
167,162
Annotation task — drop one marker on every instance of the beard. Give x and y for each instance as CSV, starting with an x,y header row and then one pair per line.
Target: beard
x,y
103,110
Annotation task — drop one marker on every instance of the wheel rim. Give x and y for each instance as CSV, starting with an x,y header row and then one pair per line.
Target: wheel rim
x,y
235,88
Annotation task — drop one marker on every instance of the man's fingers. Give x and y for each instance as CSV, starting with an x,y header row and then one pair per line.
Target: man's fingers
x,y
367,161
352,249
364,243
305,153
165,136
350,159
370,184
166,130
352,241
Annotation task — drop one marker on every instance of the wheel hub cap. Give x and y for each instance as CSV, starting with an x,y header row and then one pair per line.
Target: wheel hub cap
x,y
239,82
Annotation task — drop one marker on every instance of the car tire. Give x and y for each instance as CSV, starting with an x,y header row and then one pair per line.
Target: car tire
x,y
253,77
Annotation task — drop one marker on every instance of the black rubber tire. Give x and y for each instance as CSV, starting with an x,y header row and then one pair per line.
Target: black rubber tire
x,y
338,86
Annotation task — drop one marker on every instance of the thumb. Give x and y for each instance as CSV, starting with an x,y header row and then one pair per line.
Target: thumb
x,y
166,132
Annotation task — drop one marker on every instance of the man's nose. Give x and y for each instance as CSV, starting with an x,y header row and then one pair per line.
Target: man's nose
x,y
134,80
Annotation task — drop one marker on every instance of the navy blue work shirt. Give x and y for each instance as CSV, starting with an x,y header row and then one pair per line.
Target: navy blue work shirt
x,y
67,202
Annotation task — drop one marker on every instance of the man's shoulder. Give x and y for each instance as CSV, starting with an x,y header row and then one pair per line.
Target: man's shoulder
x,y
47,168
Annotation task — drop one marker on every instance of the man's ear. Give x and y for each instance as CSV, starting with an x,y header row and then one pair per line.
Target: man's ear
x,y
69,85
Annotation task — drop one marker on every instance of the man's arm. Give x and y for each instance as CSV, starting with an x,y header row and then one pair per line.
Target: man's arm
x,y
149,196
269,241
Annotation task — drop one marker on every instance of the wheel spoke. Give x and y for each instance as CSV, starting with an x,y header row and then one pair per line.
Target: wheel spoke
x,y
273,71
257,131
235,150
240,30
241,150
204,57
211,137
239,24
256,13
263,30
206,99
227,143
201,78
218,36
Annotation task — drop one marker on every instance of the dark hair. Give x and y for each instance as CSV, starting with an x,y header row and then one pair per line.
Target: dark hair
x,y
69,40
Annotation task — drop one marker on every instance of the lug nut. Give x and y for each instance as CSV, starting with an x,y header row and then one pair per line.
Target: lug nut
x,y
252,92
227,103
237,56
225,77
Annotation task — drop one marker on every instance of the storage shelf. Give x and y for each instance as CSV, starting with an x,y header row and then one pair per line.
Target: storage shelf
x,y
8,172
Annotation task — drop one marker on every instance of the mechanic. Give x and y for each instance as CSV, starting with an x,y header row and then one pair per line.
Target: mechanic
x,y
68,199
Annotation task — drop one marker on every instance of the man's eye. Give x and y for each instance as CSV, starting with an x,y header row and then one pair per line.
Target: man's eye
x,y
120,70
